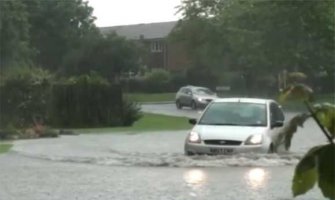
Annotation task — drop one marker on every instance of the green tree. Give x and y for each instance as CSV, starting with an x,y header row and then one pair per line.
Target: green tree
x,y
14,33
260,37
110,56
57,27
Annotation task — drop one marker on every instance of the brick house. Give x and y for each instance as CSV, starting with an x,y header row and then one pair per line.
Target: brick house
x,y
159,51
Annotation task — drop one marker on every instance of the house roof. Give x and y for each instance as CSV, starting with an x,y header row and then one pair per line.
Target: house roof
x,y
142,31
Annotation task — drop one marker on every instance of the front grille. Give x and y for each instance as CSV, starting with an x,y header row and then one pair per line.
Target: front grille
x,y
222,142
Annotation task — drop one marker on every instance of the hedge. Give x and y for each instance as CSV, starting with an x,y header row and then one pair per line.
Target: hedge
x,y
85,105
77,102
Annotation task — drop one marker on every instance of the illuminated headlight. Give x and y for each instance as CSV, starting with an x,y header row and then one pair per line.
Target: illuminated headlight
x,y
194,137
201,99
254,139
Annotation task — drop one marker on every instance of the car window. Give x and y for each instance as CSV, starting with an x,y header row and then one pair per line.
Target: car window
x,y
203,91
276,114
182,90
188,91
235,113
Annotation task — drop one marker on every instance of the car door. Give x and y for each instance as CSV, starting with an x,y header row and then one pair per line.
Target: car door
x,y
182,96
188,96
276,115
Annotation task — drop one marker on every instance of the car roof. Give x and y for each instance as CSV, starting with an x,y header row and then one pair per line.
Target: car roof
x,y
244,100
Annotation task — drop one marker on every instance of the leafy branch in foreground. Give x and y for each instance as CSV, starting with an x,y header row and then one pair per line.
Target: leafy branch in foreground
x,y
318,165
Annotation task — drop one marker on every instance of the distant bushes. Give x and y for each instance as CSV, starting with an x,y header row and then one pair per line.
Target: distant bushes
x,y
162,81
83,101
155,81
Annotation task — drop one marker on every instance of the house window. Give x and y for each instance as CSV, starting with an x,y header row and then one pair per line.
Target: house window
x,y
156,47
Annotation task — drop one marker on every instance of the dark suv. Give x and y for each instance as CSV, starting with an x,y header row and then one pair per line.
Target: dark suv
x,y
194,97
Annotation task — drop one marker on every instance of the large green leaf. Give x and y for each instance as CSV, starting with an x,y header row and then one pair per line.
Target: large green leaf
x,y
326,170
326,115
297,76
305,175
297,92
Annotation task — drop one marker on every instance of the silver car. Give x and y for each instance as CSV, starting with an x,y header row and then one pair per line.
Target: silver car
x,y
235,125
194,97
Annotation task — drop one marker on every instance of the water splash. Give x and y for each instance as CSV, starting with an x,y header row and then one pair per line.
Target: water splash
x,y
116,158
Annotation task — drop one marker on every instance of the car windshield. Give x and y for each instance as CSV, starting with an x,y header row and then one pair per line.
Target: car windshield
x,y
203,91
235,114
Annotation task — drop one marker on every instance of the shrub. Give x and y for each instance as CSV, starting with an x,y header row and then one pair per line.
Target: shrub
x,y
131,113
158,76
24,94
85,101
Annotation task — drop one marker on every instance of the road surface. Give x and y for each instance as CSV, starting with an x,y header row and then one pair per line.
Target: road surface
x,y
147,166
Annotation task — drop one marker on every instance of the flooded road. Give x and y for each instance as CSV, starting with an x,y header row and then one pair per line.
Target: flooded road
x,y
147,166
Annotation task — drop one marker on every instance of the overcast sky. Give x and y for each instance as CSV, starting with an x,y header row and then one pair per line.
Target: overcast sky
x,y
123,12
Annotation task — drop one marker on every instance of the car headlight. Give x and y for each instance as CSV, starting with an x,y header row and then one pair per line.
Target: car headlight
x,y
200,99
194,137
254,139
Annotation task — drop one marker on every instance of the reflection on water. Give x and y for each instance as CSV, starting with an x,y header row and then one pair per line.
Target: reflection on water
x,y
256,178
195,178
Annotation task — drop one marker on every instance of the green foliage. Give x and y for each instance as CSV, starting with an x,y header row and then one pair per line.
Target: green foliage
x,y
326,169
296,92
260,37
43,32
91,78
158,76
85,102
326,115
297,76
305,175
24,94
130,113
316,166
109,56
196,74
14,32
56,28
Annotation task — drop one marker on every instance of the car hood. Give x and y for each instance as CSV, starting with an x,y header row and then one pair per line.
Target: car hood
x,y
239,133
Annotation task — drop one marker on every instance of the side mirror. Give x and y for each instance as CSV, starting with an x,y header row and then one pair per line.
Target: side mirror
x,y
277,124
192,121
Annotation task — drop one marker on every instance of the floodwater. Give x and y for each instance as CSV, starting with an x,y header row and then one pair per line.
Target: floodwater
x,y
147,166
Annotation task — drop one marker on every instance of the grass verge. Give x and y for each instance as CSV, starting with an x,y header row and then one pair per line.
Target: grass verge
x,y
149,122
4,147
157,97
